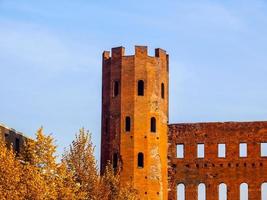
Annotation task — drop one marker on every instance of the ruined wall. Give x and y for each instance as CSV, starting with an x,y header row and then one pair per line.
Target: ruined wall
x,y
212,170
127,70
12,137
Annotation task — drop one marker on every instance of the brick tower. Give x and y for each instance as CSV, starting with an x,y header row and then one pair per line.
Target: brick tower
x,y
135,118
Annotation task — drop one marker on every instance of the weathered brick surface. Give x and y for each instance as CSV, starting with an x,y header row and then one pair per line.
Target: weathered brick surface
x,y
11,136
211,170
151,181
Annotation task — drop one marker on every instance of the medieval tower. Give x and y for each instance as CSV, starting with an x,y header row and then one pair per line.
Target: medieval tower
x,y
135,118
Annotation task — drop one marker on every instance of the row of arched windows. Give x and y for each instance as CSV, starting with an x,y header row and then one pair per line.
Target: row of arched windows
x,y
153,124
222,191
140,89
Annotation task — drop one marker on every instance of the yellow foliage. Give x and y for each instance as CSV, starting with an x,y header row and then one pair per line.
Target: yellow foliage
x,y
35,174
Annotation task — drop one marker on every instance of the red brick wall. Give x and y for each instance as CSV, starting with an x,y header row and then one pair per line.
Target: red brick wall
x,y
151,180
211,170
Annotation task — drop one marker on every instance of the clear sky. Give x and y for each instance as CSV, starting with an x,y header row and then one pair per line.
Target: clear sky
x,y
50,59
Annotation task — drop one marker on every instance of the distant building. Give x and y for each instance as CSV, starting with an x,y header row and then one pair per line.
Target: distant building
x,y
12,137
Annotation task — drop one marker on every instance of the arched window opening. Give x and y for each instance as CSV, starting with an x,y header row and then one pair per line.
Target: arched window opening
x,y
116,88
140,88
264,191
115,160
244,191
140,160
127,124
153,124
201,190
180,191
162,91
222,191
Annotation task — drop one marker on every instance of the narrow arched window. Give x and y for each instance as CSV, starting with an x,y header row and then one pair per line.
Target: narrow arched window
x,y
201,190
140,88
140,160
162,91
127,124
244,191
116,88
153,124
222,191
115,160
180,191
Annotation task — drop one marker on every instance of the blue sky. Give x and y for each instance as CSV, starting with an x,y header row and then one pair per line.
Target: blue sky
x,y
50,59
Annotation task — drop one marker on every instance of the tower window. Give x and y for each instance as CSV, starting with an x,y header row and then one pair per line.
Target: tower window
x,y
140,160
153,124
116,88
115,160
127,123
140,88
162,90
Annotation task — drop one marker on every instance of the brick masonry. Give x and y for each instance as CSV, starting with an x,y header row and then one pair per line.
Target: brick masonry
x,y
150,180
212,170
12,137
162,170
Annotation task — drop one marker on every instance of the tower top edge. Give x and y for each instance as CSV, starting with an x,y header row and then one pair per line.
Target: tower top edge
x,y
140,50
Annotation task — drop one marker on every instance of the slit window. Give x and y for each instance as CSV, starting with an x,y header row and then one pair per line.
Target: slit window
x,y
200,150
221,151
116,88
180,151
115,160
140,88
162,91
264,149
17,144
127,124
243,150
153,124
140,160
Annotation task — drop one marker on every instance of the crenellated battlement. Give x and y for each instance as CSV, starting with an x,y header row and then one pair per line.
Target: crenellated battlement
x,y
118,52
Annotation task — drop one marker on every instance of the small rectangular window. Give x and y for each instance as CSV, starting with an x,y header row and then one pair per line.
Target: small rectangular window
x,y
180,151
127,124
17,144
243,150
221,151
116,88
140,88
200,150
264,149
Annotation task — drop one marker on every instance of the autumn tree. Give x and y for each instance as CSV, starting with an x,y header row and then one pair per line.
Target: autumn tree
x,y
110,182
80,161
39,157
10,174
